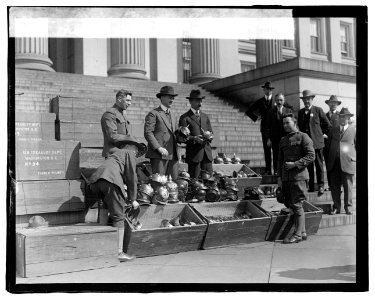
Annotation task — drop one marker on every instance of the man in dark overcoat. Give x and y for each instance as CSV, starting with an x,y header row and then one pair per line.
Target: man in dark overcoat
x,y
295,154
313,121
274,127
160,125
341,161
333,117
259,110
198,149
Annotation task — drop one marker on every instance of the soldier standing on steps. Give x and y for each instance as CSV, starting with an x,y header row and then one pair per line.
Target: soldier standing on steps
x,y
119,168
260,109
296,152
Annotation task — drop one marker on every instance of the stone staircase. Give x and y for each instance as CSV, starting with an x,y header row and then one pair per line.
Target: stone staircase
x,y
234,132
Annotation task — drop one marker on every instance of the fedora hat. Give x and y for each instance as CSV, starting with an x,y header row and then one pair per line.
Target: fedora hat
x,y
141,147
345,112
333,98
166,90
195,94
307,93
268,85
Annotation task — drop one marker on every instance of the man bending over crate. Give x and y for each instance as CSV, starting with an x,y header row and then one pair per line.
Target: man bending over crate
x,y
119,168
296,152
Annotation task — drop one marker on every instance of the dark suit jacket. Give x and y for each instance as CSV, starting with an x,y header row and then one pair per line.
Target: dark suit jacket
x,y
318,125
260,109
195,152
159,132
334,119
115,129
345,147
274,126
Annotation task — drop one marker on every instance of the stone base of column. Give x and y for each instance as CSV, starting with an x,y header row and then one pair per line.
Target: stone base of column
x,y
203,78
127,71
33,62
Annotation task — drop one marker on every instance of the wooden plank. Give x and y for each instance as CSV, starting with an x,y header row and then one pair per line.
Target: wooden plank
x,y
73,265
47,160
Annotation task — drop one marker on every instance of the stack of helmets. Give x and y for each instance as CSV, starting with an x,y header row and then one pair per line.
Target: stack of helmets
x,y
213,192
145,193
161,194
172,190
230,186
183,181
198,191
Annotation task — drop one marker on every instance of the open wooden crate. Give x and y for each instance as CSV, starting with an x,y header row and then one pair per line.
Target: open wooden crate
x,y
244,231
282,225
151,239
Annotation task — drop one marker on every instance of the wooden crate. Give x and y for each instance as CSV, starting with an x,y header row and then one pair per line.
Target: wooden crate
x,y
152,240
245,182
234,232
53,219
45,160
62,249
282,226
34,126
50,196
269,179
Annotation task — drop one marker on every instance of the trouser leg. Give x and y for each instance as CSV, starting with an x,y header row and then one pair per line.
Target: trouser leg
x,y
206,164
172,169
310,169
347,182
131,179
325,154
275,154
194,169
158,165
267,153
336,187
319,167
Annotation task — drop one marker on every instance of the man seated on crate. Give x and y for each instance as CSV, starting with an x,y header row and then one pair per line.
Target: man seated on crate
x,y
119,168
296,152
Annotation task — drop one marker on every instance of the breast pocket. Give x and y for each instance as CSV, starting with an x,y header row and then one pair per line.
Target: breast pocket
x,y
121,126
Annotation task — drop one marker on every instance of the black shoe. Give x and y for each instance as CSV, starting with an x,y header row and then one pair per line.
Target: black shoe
x,y
292,240
122,257
348,212
304,236
321,191
335,211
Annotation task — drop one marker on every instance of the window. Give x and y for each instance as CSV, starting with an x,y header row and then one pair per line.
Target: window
x,y
247,66
288,44
186,59
315,35
345,40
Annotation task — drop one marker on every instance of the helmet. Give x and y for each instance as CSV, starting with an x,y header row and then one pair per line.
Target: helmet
x,y
251,193
207,135
173,197
205,175
223,194
213,195
231,196
146,189
170,185
143,199
230,184
197,185
218,160
227,160
156,178
37,221
163,179
182,184
236,160
182,134
200,195
161,195
184,175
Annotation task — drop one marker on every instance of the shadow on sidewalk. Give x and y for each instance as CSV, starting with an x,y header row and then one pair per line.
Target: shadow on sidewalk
x,y
344,273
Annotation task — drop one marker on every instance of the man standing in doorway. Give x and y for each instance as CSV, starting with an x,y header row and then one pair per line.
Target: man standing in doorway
x,y
160,124
313,121
260,110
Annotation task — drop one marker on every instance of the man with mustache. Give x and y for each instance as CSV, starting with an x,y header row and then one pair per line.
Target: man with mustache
x,y
160,124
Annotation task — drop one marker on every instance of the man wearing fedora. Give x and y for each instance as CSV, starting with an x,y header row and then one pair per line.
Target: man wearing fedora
x,y
160,124
313,121
198,148
260,109
120,150
274,126
333,117
341,161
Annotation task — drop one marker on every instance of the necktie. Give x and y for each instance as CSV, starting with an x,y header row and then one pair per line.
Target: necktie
x,y
197,114
341,131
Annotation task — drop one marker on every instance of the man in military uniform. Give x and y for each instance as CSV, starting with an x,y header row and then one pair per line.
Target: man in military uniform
x,y
119,168
198,148
296,152
260,109
160,124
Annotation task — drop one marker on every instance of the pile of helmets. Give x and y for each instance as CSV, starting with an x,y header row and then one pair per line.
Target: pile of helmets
x,y
197,191
172,188
230,186
182,182
161,193
226,160
213,191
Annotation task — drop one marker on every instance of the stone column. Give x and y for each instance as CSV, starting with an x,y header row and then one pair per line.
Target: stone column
x,y
128,58
32,53
268,52
205,60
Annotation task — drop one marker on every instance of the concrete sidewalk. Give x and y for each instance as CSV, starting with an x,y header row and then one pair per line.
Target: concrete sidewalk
x,y
327,257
